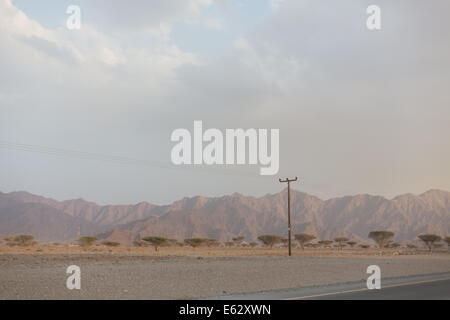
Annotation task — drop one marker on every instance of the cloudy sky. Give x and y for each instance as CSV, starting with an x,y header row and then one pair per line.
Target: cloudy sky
x,y
359,111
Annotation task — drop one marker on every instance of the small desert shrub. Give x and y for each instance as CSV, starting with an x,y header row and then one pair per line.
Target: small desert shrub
x,y
270,239
447,240
23,240
394,245
7,240
341,241
238,240
325,243
87,241
212,243
196,242
110,243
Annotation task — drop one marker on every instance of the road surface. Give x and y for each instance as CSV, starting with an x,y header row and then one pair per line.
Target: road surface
x,y
429,287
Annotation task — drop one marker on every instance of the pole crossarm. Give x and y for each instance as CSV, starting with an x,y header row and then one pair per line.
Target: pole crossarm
x,y
288,180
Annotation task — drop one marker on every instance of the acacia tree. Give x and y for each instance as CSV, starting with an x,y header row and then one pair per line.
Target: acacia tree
x,y
303,238
381,237
340,241
430,240
351,243
270,239
195,242
156,241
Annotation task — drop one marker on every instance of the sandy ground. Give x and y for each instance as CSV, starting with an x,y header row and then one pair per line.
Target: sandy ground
x,y
177,273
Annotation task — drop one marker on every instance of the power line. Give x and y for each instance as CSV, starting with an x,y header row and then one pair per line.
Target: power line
x,y
76,154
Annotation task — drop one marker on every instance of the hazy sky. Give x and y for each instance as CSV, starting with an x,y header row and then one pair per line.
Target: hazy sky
x,y
359,111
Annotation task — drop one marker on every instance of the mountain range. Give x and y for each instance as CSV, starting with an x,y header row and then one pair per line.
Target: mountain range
x,y
228,216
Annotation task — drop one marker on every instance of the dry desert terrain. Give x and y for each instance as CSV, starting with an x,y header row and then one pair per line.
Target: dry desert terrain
x,y
184,272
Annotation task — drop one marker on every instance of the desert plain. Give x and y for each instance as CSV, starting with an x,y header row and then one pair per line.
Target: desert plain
x,y
39,272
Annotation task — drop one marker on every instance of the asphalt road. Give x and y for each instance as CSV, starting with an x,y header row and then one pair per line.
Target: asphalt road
x,y
429,290
422,287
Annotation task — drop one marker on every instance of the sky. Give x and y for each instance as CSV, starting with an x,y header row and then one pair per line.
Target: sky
x,y
359,111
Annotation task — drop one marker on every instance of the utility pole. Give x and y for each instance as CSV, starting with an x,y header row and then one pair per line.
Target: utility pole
x,y
289,208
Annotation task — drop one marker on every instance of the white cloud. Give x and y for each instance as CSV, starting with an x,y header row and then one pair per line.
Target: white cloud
x,y
90,46
143,14
278,69
353,107
276,4
16,24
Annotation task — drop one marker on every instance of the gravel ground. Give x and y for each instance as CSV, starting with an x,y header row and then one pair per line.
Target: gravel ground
x,y
113,277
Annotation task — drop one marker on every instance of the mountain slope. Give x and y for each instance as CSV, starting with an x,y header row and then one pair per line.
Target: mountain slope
x,y
228,216
42,221
100,215
351,216
51,220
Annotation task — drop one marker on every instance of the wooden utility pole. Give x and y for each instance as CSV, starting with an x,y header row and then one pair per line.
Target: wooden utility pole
x,y
289,209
